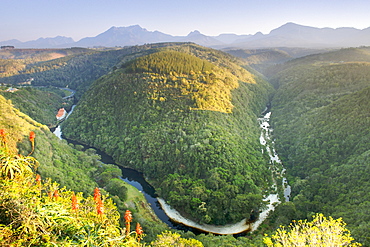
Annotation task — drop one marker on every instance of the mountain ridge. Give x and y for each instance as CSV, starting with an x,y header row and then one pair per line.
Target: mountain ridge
x,y
287,35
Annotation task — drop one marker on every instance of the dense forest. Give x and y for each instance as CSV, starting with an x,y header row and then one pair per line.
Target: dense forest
x,y
41,103
185,116
321,124
188,125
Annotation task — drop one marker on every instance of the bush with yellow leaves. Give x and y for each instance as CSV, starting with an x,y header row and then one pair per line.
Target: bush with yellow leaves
x,y
321,231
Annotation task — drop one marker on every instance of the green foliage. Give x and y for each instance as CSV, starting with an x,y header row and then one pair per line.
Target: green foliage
x,y
12,166
210,240
194,136
29,216
322,130
80,171
10,67
319,232
35,213
165,62
41,104
167,239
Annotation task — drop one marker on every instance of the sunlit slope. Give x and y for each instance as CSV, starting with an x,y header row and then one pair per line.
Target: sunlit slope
x,y
41,104
360,54
186,117
58,160
322,124
20,61
77,69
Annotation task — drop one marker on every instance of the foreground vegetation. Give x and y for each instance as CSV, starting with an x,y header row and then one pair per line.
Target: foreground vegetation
x,y
69,166
35,212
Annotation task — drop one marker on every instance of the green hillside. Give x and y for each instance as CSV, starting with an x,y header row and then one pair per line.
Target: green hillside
x,y
17,61
75,68
80,171
360,54
322,123
41,104
188,123
268,60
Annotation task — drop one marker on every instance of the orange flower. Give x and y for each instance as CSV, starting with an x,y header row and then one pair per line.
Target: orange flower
x,y
38,179
74,202
100,207
128,216
32,140
96,194
32,136
3,136
128,219
139,230
56,195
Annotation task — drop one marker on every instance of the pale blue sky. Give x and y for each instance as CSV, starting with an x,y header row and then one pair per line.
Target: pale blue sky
x,y
31,19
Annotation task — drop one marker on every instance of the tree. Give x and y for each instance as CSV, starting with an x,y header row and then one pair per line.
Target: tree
x,y
319,232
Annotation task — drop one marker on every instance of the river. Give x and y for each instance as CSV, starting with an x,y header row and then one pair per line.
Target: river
x,y
173,218
275,165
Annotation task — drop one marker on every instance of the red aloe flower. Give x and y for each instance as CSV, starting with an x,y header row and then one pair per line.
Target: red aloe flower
x,y
32,136
128,216
96,194
32,140
3,136
38,178
139,231
74,202
2,132
56,195
128,219
100,207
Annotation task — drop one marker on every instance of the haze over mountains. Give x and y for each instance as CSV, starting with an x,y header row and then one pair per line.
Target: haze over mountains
x,y
288,35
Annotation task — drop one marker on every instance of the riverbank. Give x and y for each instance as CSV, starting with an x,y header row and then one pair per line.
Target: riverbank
x,y
174,215
271,199
136,199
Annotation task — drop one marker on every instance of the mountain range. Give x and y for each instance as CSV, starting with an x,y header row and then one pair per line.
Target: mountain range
x,y
287,35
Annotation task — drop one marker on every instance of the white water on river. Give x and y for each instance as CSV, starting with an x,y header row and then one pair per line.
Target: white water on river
x,y
272,199
275,165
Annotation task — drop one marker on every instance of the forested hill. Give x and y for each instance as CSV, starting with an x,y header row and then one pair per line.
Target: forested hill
x,y
185,116
321,123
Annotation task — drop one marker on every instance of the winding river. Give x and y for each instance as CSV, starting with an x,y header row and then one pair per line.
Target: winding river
x,y
173,218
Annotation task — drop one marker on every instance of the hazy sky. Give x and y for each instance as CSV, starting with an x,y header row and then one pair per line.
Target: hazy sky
x,y
31,19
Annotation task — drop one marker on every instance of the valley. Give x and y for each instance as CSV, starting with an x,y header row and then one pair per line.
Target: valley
x,y
186,117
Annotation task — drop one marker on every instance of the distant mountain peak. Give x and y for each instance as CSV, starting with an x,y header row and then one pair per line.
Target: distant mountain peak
x,y
123,29
195,32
